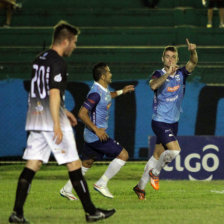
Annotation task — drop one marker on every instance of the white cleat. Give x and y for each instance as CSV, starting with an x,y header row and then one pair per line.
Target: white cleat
x,y
103,190
68,195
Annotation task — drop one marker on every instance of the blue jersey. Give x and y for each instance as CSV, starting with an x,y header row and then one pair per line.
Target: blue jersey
x,y
98,103
168,97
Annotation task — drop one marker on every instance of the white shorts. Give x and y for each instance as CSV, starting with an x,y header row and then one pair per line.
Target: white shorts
x,y
41,144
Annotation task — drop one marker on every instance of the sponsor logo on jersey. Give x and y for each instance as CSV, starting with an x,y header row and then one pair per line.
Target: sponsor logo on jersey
x,y
58,78
39,108
43,57
108,97
108,106
173,89
172,99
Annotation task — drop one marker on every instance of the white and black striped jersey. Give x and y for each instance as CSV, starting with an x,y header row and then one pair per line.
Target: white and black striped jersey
x,y
49,71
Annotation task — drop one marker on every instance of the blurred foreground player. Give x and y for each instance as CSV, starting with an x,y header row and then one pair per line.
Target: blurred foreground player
x,y
168,85
50,123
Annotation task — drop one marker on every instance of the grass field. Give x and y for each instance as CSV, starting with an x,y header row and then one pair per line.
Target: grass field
x,y
177,202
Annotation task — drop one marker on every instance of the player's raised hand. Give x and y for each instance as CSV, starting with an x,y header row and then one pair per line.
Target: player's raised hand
x,y
191,47
172,69
129,88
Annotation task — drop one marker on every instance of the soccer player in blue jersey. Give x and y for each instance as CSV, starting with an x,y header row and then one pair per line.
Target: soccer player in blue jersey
x,y
168,85
95,114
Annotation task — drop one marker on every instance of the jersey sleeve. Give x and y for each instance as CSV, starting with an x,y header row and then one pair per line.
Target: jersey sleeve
x,y
184,71
155,75
57,78
91,101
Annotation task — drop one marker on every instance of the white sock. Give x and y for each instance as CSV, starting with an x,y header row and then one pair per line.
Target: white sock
x,y
165,158
145,176
84,170
68,186
111,171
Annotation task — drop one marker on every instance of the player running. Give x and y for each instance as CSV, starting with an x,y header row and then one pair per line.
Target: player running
x,y
168,85
95,114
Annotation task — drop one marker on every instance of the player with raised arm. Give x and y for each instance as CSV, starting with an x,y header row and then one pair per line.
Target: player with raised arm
x,y
49,125
168,85
95,114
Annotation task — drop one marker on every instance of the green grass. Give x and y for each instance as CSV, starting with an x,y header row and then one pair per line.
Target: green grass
x,y
177,202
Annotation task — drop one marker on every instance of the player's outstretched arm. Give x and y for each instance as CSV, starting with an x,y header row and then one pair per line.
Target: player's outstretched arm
x,y
126,89
191,64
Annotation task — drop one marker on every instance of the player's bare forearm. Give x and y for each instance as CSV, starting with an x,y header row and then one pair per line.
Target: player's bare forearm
x,y
84,116
126,89
71,117
192,63
156,83
113,94
12,2
55,101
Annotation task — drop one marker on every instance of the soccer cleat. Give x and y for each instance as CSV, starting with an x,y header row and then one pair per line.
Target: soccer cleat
x,y
16,219
154,180
100,214
140,193
68,195
103,190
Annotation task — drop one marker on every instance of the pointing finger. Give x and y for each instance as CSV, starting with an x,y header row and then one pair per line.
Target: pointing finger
x,y
188,43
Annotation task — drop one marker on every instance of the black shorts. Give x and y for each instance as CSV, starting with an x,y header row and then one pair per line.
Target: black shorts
x,y
216,3
97,150
164,132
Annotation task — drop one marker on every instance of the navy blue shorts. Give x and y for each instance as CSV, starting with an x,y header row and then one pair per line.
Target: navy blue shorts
x,y
164,132
97,150
215,3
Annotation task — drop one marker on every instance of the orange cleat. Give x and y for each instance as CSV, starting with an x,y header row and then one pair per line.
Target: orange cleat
x,y
154,180
140,193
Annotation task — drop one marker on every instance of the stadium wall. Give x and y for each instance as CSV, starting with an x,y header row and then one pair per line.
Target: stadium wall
x,y
130,116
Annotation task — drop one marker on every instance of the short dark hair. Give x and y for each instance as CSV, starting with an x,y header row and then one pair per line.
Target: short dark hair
x,y
170,48
99,70
64,30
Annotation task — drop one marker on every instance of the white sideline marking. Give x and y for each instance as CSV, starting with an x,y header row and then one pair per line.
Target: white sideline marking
x,y
217,192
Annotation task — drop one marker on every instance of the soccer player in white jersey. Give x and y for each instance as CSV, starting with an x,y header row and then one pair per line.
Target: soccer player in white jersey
x,y
49,124
95,114
168,85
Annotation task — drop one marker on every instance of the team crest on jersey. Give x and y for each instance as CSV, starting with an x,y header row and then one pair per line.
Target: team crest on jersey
x,y
58,78
177,77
